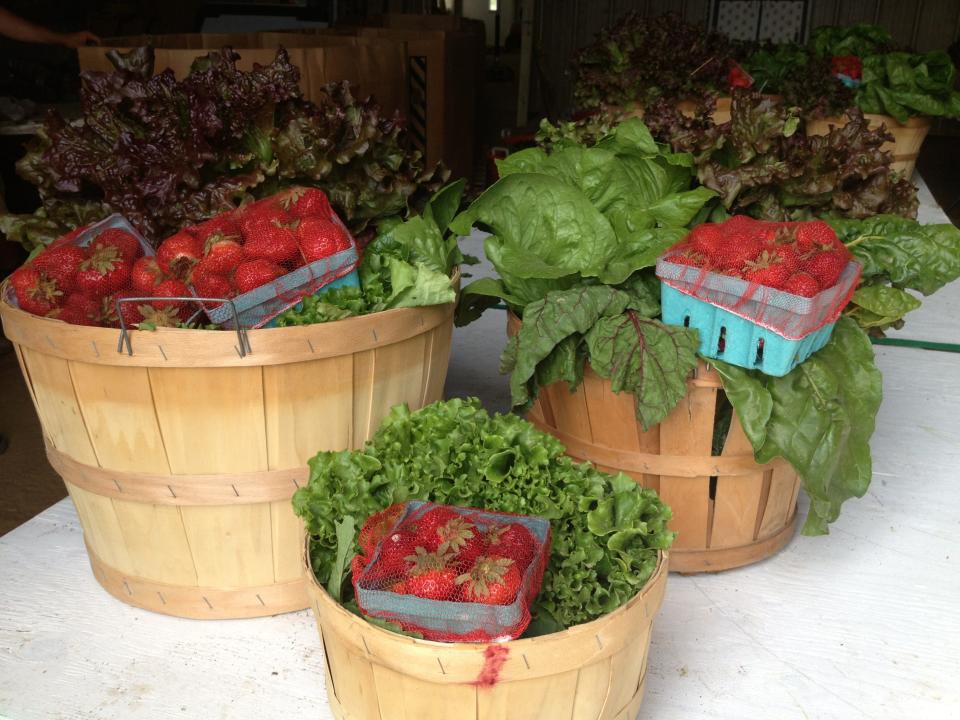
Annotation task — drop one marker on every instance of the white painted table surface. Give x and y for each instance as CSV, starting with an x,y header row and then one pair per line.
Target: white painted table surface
x,y
858,624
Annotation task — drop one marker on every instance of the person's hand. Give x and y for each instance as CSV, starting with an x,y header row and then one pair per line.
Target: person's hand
x,y
79,39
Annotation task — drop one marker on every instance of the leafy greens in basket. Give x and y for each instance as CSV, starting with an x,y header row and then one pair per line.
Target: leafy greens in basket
x,y
575,235
408,264
606,529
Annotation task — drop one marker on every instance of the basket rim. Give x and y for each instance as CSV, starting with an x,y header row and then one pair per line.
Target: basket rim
x,y
583,629
190,348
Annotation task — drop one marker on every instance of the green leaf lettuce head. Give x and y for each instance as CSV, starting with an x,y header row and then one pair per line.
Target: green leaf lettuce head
x,y
819,417
606,529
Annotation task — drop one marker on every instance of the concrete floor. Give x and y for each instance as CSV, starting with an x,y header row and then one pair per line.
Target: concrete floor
x,y
28,485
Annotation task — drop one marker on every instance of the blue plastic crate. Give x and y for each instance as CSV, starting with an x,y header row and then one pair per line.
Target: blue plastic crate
x,y
738,341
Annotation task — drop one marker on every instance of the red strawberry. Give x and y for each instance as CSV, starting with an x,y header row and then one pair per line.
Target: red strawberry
x,y
221,254
222,225
706,240
212,286
146,275
268,237
123,241
179,253
512,541
802,284
103,273
815,233
768,269
433,584
304,202
70,315
494,580
736,251
429,525
131,312
431,576
81,310
254,273
826,267
320,238
689,257
61,264
35,293
171,289
396,558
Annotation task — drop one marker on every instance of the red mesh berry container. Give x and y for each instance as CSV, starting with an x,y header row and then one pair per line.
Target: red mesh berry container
x,y
84,277
762,295
452,574
265,256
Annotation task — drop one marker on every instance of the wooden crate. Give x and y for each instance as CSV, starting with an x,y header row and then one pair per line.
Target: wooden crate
x,y
907,138
728,510
181,458
594,671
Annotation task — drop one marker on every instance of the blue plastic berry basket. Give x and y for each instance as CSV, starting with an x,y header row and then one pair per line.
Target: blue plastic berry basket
x,y
734,317
447,617
260,306
733,339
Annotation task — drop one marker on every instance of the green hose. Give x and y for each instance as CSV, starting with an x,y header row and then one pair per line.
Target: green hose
x,y
920,344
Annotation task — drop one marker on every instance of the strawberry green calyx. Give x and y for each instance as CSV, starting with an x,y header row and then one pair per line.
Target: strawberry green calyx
x,y
455,534
486,572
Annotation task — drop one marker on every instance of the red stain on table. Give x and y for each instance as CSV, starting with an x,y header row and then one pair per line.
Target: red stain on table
x,y
494,658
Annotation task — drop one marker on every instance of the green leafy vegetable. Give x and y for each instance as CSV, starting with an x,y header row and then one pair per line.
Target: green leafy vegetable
x,y
346,531
606,529
407,265
860,40
904,84
646,358
762,166
819,417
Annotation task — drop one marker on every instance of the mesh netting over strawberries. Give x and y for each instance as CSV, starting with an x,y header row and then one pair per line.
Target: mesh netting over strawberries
x,y
84,277
451,573
265,256
791,277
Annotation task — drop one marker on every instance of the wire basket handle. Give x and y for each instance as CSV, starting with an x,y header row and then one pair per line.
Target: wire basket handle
x,y
243,346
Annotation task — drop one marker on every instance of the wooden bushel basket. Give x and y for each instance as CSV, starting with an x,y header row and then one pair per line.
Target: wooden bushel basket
x,y
594,671
182,458
728,510
907,138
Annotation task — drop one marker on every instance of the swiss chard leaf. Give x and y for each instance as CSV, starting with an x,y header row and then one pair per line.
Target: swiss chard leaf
x,y
546,324
646,358
880,306
819,417
908,254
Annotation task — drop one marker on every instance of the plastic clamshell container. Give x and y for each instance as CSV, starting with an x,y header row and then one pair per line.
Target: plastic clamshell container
x,y
734,316
446,616
259,306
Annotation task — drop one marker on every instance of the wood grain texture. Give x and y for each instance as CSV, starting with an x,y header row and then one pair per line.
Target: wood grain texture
x,y
182,473
589,671
599,426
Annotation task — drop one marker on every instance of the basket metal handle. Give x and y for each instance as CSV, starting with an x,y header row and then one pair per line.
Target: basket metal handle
x,y
243,341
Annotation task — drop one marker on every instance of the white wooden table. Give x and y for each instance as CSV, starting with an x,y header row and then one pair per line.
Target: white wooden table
x,y
859,624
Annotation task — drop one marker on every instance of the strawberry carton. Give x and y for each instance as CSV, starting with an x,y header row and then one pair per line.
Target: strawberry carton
x,y
763,295
452,574
86,277
263,257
